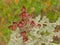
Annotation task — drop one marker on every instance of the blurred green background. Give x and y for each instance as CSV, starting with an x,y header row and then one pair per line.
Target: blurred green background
x,y
9,10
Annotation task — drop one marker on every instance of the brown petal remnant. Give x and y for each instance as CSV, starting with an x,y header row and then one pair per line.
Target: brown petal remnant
x,y
23,15
25,39
32,23
23,9
10,27
13,26
23,33
57,28
38,25
56,39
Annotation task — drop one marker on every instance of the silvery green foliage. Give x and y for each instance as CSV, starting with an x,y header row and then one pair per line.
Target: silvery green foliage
x,y
15,38
58,21
45,38
35,37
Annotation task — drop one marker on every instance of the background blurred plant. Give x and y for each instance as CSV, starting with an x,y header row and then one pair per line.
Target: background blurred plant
x,y
9,10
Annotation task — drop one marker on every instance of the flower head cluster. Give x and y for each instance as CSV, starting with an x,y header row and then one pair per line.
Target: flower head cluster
x,y
24,24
